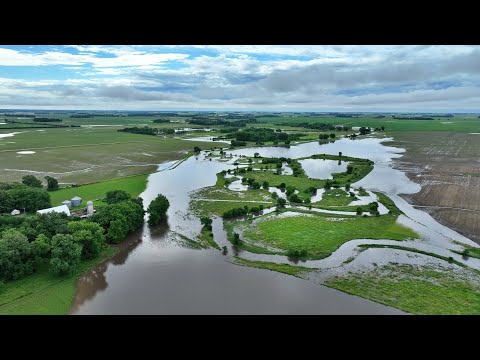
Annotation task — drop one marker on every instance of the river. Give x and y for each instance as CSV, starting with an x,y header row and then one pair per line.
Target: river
x,y
156,272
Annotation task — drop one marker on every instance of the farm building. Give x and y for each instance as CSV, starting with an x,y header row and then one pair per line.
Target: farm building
x,y
90,209
15,212
57,209
68,203
76,201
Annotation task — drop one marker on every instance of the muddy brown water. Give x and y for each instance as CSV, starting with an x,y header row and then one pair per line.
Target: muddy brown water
x,y
155,271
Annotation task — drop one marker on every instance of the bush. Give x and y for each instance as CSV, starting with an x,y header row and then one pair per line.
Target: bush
x,y
297,253
206,222
359,210
66,254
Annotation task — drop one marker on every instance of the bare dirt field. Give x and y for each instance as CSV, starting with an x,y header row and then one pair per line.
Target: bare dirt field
x,y
447,166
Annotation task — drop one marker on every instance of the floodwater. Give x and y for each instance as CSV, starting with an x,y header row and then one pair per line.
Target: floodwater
x,y
9,134
321,168
157,271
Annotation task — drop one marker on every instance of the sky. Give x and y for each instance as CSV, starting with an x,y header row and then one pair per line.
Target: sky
x,y
358,78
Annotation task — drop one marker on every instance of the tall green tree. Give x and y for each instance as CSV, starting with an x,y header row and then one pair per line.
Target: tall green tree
x,y
158,209
89,235
52,183
16,255
66,254
31,181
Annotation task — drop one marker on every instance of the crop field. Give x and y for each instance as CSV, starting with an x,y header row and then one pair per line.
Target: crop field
x,y
85,155
448,169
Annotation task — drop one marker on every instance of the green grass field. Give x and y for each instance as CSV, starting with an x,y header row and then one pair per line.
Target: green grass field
x,y
320,236
44,293
134,185
418,291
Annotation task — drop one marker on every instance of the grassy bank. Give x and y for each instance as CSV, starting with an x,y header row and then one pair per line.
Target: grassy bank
x,y
283,268
320,236
416,290
44,293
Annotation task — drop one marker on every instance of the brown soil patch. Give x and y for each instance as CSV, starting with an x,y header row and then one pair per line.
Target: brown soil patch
x,y
447,166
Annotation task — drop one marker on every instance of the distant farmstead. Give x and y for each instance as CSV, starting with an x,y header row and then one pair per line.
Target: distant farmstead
x,y
57,209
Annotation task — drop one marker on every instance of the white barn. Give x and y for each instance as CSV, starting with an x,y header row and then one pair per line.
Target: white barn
x,y
56,209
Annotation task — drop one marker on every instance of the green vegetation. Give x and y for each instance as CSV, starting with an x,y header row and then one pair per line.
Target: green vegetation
x,y
320,236
424,290
206,237
133,185
44,292
52,183
31,181
157,209
283,268
20,196
469,251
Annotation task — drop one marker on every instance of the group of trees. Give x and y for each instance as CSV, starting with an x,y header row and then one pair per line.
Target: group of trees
x,y
161,121
21,196
326,136
235,212
24,249
62,242
32,181
44,119
260,135
140,130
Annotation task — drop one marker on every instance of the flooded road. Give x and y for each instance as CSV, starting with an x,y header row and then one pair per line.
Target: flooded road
x,y
158,272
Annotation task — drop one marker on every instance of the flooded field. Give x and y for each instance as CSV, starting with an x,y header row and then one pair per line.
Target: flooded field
x,y
159,272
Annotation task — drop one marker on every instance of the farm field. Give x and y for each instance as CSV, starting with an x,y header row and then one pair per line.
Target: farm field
x,y
85,155
448,169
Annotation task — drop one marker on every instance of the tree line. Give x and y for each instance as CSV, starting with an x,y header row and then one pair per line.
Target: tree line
x,y
62,242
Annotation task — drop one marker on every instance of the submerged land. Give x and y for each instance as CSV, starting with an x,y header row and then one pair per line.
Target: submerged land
x,y
321,197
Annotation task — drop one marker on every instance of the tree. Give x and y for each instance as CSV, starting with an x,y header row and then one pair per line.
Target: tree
x,y
28,198
52,183
48,224
16,255
89,235
196,149
359,210
281,202
116,196
332,136
236,239
41,246
158,209
206,222
328,185
265,185
294,198
31,181
256,155
340,154
66,253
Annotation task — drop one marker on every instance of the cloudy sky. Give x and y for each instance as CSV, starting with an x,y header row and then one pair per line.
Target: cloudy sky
x,y
254,77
